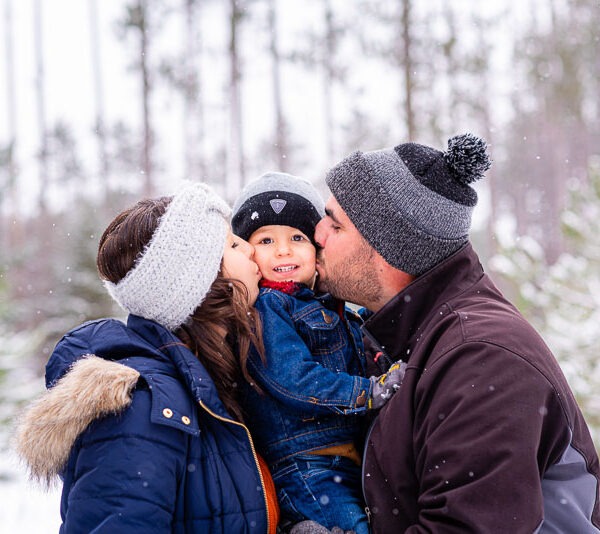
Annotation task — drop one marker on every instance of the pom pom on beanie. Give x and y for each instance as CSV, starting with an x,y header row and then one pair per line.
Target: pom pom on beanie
x,y
467,158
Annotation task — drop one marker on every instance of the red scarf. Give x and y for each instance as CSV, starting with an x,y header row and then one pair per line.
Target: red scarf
x,y
288,286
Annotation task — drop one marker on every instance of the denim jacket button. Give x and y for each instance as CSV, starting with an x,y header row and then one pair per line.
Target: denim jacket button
x,y
326,317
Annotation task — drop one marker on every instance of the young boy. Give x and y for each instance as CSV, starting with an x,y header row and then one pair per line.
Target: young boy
x,y
307,424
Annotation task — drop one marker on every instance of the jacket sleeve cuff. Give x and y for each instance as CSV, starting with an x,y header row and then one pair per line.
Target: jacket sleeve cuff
x,y
360,396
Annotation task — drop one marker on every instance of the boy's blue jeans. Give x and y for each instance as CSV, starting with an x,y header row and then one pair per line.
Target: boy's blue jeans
x,y
326,489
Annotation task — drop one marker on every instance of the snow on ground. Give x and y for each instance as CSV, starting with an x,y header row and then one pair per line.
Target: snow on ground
x,y
25,506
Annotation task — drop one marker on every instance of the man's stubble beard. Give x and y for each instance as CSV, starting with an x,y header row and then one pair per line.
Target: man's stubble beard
x,y
354,278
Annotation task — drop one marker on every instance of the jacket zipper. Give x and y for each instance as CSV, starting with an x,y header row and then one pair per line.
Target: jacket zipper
x,y
262,481
388,360
362,474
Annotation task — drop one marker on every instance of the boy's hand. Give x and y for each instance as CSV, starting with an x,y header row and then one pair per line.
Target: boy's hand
x,y
384,386
312,527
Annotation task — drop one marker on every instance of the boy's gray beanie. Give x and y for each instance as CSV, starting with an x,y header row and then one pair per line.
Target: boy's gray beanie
x,y
412,203
277,198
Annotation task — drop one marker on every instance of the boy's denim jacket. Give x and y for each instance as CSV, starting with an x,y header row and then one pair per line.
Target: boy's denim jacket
x,y
313,379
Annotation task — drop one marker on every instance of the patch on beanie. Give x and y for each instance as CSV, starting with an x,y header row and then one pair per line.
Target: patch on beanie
x,y
277,204
467,158
275,207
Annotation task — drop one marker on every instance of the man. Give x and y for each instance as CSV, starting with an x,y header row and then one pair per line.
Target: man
x,y
485,434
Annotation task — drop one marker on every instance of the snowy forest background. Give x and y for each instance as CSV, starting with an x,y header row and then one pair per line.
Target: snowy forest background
x,y
104,102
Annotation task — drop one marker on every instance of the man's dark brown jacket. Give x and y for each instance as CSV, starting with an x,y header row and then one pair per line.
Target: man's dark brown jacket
x,y
485,434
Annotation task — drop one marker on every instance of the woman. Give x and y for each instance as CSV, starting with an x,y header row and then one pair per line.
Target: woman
x,y
141,420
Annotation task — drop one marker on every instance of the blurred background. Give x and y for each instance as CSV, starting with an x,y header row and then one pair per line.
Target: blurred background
x,y
102,103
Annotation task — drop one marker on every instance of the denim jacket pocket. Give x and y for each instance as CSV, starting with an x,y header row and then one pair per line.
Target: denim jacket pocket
x,y
323,332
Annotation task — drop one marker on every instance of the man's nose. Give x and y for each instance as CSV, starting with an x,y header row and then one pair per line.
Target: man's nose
x,y
320,234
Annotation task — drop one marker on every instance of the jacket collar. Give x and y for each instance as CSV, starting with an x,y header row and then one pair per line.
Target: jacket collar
x,y
288,286
294,289
394,325
142,344
305,293
189,368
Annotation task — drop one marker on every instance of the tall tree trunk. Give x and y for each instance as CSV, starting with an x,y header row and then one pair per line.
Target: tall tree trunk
x,y
193,119
11,104
41,105
408,69
453,65
14,233
37,274
281,144
328,79
146,90
235,152
98,83
486,120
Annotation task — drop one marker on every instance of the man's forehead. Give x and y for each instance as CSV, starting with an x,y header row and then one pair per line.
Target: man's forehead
x,y
337,213
332,205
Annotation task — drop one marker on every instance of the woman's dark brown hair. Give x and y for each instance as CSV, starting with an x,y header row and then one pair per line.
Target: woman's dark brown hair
x,y
221,330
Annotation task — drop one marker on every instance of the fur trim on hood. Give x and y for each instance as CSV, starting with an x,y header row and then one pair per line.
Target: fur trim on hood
x,y
48,428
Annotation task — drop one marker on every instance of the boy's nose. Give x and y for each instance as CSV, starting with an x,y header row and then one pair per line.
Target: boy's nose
x,y
283,249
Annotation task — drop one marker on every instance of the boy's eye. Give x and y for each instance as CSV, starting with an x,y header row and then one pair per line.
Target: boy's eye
x,y
298,237
265,241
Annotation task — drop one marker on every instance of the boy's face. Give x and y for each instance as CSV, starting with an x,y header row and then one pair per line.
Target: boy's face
x,y
284,253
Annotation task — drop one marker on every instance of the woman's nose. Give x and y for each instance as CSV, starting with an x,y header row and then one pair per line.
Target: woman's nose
x,y
249,249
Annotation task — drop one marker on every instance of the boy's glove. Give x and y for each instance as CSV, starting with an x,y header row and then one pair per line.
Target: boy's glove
x,y
384,386
312,527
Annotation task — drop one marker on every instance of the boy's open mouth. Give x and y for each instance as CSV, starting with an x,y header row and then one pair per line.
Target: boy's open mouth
x,y
285,268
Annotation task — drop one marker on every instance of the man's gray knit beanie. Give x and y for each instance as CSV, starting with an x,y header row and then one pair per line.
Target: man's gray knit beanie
x,y
412,203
